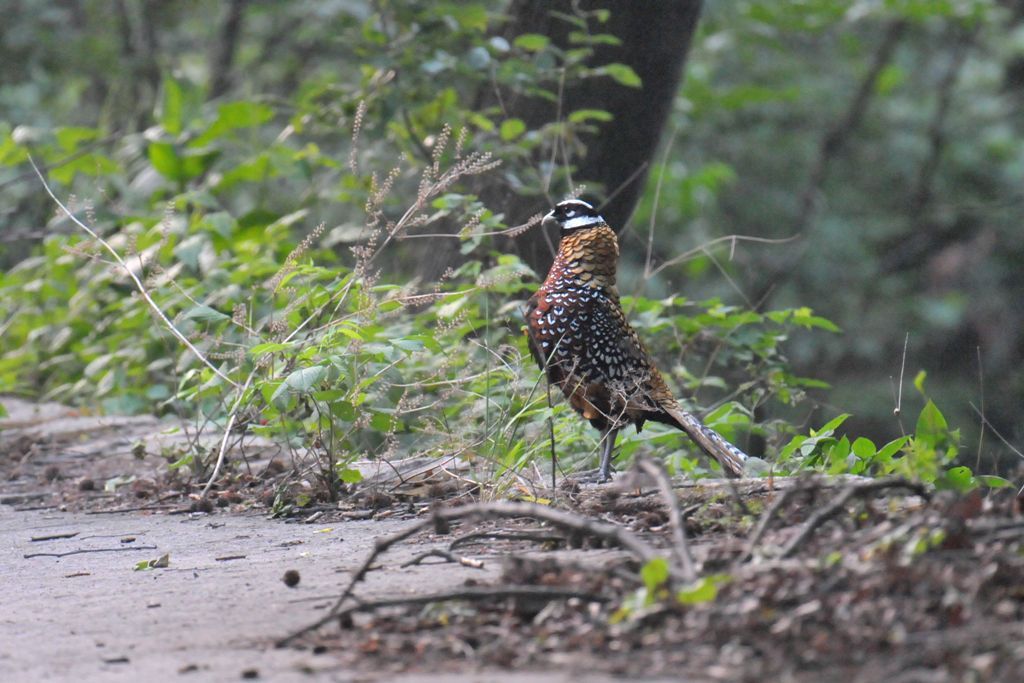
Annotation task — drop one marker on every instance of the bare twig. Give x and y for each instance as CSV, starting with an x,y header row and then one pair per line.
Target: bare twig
x,y
92,550
447,556
538,536
732,239
134,278
835,138
937,138
680,548
227,433
224,51
831,144
1016,451
839,502
154,505
54,537
995,431
981,411
83,151
766,518
442,518
475,594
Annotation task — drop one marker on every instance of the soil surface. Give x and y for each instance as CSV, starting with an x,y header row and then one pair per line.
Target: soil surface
x,y
214,612
117,569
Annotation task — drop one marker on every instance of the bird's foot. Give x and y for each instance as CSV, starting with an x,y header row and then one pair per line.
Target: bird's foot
x,y
590,477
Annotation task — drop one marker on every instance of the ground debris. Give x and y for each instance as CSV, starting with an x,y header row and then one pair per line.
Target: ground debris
x,y
877,578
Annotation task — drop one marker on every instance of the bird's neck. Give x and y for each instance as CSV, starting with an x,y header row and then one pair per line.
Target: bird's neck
x,y
586,258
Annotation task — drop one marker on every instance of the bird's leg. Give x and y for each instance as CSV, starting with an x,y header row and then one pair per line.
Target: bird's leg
x,y
610,434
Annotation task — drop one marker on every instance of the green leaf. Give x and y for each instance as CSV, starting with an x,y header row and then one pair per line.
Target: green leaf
x,y
989,480
584,115
70,138
172,107
406,344
701,591
863,448
382,422
232,116
511,129
654,573
204,314
829,427
890,449
919,380
960,478
350,476
270,347
531,42
178,167
343,410
931,423
889,79
802,316
301,381
622,74
257,169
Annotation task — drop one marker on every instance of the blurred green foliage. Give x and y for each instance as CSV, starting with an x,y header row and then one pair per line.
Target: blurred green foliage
x,y
277,223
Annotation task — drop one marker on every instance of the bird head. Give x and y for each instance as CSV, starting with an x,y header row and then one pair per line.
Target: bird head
x,y
572,215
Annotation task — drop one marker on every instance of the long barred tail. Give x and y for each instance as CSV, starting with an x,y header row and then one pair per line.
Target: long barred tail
x,y
711,442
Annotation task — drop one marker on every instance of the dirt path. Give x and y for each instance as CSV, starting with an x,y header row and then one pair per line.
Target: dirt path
x,y
91,616
213,613
925,585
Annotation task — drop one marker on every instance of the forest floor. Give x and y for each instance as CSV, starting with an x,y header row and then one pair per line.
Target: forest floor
x,y
115,569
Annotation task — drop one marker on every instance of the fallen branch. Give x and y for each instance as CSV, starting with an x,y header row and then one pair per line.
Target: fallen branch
x,y
539,536
157,504
680,547
766,518
840,501
445,555
442,518
54,537
474,594
92,550
141,288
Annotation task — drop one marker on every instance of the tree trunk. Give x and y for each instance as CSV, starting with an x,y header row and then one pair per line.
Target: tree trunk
x,y
655,37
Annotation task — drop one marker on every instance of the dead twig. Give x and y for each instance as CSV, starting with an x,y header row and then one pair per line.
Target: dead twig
x,y
447,556
136,281
839,503
91,550
155,505
54,537
762,524
475,594
680,547
538,536
442,518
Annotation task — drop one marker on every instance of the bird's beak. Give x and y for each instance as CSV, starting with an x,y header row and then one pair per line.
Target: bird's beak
x,y
549,221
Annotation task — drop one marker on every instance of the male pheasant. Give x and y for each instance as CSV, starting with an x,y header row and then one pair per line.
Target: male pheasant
x,y
579,336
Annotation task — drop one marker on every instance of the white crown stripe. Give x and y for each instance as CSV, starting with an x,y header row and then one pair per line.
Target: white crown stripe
x,y
581,222
575,202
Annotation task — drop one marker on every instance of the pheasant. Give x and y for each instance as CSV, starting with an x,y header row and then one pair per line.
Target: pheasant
x,y
579,336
